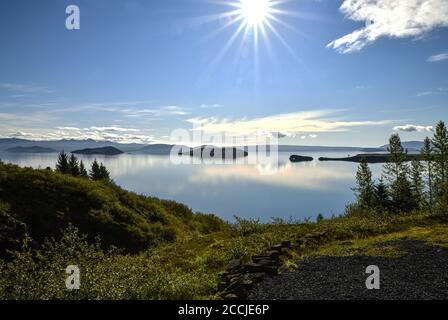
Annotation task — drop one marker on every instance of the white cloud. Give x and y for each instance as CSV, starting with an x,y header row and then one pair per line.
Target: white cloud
x,y
414,128
430,93
211,106
310,136
22,88
158,112
438,57
390,18
114,134
307,122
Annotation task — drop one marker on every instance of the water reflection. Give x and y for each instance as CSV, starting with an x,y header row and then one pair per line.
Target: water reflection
x,y
278,188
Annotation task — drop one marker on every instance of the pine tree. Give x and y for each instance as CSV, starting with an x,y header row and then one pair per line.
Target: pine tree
x,y
395,171
428,168
382,198
365,187
104,173
95,173
73,165
440,144
62,165
99,172
417,184
82,170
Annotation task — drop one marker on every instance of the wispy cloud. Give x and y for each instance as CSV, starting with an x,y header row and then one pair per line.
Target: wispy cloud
x,y
24,88
433,92
438,57
389,18
211,106
307,122
414,128
311,136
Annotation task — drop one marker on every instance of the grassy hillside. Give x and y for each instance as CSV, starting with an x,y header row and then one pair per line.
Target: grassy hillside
x,y
42,203
168,252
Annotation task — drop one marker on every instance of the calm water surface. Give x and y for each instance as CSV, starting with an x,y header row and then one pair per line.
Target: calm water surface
x,y
299,190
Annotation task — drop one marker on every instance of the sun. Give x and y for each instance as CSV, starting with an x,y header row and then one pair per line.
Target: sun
x,y
254,22
255,13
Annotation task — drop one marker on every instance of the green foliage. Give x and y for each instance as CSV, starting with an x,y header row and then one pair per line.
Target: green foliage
x,y
396,172
82,170
320,218
365,186
381,196
417,183
98,172
73,165
247,227
62,165
122,219
440,143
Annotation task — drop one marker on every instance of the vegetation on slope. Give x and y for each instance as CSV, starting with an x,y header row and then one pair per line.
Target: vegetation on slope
x,y
43,203
167,252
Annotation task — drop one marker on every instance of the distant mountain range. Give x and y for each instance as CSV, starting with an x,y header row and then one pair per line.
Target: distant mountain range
x,y
410,145
33,149
165,149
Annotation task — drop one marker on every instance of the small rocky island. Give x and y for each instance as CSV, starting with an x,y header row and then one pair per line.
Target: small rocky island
x,y
295,158
371,158
106,151
210,152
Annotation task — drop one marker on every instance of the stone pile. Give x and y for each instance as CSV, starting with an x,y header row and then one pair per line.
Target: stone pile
x,y
239,278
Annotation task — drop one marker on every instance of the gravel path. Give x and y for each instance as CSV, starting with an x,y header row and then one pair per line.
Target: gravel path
x,y
421,273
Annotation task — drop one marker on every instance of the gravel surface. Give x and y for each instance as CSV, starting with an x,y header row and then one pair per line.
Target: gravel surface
x,y
421,273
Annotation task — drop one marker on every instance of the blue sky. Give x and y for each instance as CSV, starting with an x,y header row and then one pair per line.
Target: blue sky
x,y
333,72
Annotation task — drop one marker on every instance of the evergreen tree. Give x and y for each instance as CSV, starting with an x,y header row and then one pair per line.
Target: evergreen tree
x,y
395,171
382,198
74,166
428,168
365,187
104,173
99,172
417,184
62,164
440,145
82,170
94,173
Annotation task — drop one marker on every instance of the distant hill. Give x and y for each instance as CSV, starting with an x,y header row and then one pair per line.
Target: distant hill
x,y
410,145
107,151
157,149
68,145
34,149
165,149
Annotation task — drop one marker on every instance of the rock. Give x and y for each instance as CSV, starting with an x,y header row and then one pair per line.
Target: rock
x,y
260,268
235,264
231,296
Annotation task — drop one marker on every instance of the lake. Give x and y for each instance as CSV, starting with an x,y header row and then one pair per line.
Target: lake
x,y
297,190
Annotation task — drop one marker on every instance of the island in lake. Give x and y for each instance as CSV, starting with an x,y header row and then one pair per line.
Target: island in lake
x,y
107,151
371,158
214,152
33,149
297,158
